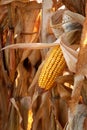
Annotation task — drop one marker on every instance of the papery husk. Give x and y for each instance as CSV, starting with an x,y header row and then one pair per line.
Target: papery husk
x,y
56,22
73,37
70,55
61,22
65,78
75,16
70,22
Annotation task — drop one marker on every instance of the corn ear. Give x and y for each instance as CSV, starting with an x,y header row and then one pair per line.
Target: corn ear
x,y
52,68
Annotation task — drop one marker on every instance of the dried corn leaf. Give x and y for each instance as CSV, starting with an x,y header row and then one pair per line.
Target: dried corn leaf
x,y
65,78
18,29
70,23
75,5
76,120
16,107
15,118
34,57
70,55
63,92
27,6
4,2
78,82
30,46
25,54
84,92
3,13
31,88
82,62
42,113
25,107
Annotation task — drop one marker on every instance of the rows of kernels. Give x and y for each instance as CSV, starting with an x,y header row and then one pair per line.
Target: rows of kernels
x,y
52,68
57,72
47,66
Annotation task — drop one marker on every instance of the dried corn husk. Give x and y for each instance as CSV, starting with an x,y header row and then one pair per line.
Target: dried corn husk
x,y
64,21
70,55
73,37
72,27
75,16
56,23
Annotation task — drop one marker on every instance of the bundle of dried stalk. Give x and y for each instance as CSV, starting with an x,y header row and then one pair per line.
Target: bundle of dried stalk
x,y
77,120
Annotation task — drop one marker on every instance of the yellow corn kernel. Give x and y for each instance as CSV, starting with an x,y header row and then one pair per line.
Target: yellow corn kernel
x,y
52,68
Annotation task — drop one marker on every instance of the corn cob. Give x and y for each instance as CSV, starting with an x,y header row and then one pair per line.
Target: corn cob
x,y
52,68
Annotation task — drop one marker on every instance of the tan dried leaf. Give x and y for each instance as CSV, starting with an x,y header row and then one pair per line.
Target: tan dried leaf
x,y
75,5
4,2
30,46
82,57
46,13
76,120
16,107
75,16
70,55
